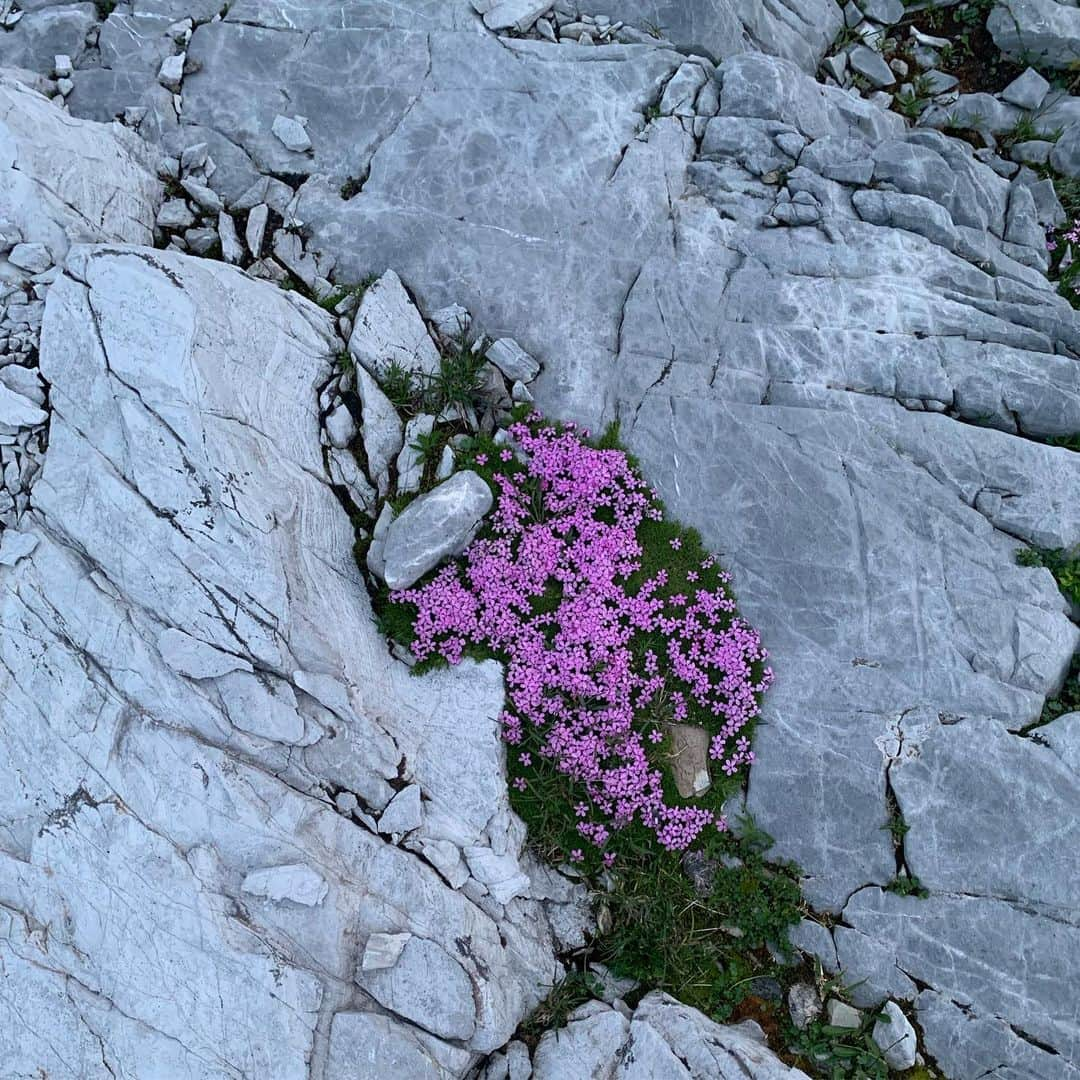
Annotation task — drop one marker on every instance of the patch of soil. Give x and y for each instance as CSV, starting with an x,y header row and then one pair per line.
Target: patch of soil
x,y
763,1012
975,59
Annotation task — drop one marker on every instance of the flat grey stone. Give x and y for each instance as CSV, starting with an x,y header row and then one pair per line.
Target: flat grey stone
x,y
1044,32
381,431
294,882
341,427
15,546
895,1038
433,527
231,250
427,986
410,465
171,72
403,814
1026,91
255,229
291,134
1065,155
513,361
804,1004
33,258
370,1046
383,951
662,1037
514,14
871,65
842,1015
885,12
175,214
387,328
18,412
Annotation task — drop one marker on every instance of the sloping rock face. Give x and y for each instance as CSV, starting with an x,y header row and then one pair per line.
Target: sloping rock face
x,y
199,717
830,341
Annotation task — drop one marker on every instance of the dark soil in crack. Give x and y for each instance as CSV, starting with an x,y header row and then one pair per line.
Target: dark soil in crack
x,y
975,59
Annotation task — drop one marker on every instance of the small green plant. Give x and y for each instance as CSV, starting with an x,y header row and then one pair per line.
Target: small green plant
x,y
898,827
457,380
345,362
343,292
429,446
400,385
353,186
105,8
907,885
551,1014
1063,563
842,1053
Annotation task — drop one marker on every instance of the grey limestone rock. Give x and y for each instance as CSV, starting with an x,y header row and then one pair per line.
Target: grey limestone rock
x,y
295,882
433,527
427,986
381,431
871,65
1026,91
1042,31
660,1038
1065,155
291,134
513,361
388,329
885,12
895,1038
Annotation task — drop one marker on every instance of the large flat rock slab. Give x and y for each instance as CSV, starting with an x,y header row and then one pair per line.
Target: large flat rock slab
x,y
175,867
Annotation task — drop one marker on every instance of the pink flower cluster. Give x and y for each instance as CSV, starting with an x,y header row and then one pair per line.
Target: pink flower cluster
x,y
548,590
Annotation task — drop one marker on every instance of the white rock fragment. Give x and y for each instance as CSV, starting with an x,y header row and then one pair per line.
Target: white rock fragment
x,y
291,134
842,1015
515,14
171,73
340,427
294,881
451,322
434,526
175,214
231,251
62,66
501,874
33,258
382,432
15,546
382,951
446,464
18,412
204,196
388,328
255,230
513,361
895,1038
410,463
196,659
403,814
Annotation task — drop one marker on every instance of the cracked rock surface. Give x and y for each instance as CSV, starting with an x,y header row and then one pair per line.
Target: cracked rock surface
x,y
828,337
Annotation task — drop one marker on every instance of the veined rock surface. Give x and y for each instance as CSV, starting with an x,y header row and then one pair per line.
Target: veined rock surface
x,y
237,838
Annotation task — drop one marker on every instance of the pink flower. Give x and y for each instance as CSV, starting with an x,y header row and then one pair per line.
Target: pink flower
x,y
564,530
506,455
